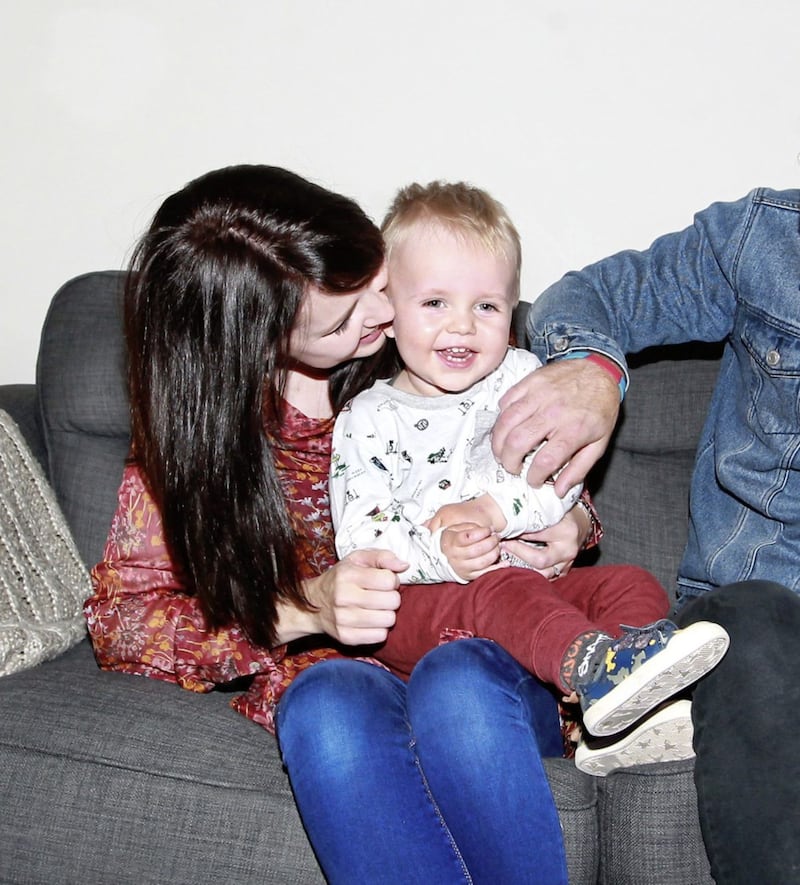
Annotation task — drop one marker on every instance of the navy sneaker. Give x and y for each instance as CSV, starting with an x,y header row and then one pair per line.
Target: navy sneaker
x,y
629,676
665,735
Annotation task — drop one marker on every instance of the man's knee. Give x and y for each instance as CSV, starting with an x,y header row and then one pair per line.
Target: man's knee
x,y
746,609
762,619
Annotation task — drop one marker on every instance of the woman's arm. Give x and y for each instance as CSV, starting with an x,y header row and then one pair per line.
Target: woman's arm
x,y
142,621
354,601
140,618
552,551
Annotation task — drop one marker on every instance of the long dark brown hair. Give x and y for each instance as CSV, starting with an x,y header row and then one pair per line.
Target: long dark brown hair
x,y
215,287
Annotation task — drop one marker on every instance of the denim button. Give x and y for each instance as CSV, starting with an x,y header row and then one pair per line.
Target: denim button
x,y
561,344
773,358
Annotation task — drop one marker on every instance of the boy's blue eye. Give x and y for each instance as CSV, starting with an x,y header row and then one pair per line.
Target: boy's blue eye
x,y
433,302
486,306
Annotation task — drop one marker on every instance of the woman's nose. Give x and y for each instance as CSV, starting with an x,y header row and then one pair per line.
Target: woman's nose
x,y
379,309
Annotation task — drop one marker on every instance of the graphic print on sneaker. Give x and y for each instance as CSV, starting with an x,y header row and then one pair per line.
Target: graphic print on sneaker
x,y
645,666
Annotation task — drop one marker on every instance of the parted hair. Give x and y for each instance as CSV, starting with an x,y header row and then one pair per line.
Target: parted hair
x,y
463,209
215,287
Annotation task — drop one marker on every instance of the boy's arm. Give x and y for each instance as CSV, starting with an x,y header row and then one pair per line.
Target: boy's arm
x,y
366,513
482,511
472,550
525,508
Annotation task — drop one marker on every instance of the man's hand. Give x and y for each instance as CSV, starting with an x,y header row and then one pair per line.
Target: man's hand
x,y
571,406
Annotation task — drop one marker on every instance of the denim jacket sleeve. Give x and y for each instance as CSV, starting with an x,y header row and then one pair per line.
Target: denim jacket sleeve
x,y
680,289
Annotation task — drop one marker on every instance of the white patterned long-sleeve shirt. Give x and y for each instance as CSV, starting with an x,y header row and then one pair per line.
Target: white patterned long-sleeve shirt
x,y
398,457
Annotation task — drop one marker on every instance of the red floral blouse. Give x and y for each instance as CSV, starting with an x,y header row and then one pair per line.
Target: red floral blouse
x,y
142,621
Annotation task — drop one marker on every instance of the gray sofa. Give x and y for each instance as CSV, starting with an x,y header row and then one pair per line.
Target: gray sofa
x,y
113,778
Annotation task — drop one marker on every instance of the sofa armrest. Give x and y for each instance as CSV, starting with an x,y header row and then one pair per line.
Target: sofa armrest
x,y
22,404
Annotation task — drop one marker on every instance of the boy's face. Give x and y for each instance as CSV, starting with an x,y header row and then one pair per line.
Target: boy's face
x,y
453,301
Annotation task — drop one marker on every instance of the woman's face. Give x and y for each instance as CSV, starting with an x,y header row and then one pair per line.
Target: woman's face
x,y
332,329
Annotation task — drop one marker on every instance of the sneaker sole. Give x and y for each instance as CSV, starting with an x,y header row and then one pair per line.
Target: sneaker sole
x,y
666,736
690,654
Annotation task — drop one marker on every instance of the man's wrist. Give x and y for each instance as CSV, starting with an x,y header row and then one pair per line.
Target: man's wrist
x,y
606,363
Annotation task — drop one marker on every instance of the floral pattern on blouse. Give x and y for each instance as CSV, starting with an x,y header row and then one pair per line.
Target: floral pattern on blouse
x,y
141,619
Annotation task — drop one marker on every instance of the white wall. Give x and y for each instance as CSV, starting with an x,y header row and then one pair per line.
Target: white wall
x,y
598,124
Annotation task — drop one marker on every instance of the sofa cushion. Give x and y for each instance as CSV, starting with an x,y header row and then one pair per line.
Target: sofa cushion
x,y
108,777
83,403
21,403
650,831
43,582
641,486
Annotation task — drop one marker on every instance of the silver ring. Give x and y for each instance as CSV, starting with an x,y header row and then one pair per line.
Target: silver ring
x,y
556,571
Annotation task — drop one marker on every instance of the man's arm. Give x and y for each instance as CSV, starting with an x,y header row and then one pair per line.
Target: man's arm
x,y
680,289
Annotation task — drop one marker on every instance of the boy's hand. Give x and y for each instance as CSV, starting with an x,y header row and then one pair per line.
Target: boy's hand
x,y
472,550
482,511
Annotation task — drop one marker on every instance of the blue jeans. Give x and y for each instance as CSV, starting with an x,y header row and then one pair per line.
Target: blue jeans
x,y
746,716
439,780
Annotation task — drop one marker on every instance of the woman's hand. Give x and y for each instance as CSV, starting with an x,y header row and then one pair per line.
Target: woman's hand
x,y
554,549
356,600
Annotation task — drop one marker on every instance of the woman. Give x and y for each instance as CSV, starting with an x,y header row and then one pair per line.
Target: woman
x,y
254,306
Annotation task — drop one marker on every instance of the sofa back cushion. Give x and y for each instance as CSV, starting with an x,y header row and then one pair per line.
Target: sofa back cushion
x,y
641,487
83,403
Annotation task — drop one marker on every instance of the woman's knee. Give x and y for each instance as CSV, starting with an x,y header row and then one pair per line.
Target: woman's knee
x,y
471,696
462,664
329,710
467,680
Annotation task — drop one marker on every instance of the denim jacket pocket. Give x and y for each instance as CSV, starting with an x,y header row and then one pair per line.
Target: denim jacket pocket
x,y
774,384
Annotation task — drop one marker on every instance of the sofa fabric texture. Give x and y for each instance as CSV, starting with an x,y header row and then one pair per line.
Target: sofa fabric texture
x,y
110,777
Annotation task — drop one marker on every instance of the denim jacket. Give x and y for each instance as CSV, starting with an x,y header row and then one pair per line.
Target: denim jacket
x,y
734,275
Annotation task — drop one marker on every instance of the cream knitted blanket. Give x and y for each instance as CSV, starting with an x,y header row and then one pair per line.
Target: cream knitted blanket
x,y
43,581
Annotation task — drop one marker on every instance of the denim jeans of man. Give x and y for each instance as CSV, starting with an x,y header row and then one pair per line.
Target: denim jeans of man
x,y
748,709
436,780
